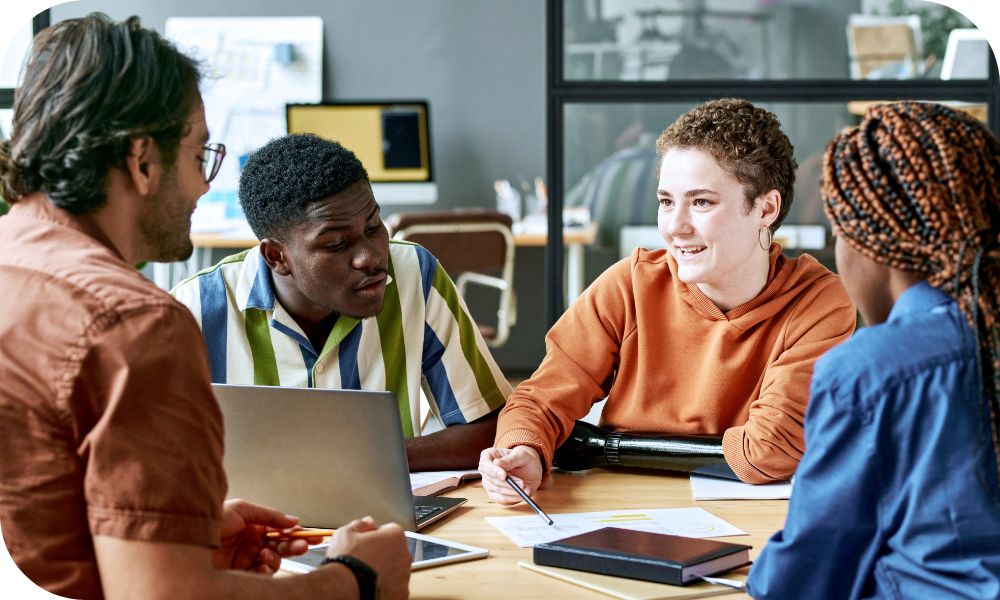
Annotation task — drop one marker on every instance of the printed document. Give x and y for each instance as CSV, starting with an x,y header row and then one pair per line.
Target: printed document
x,y
529,530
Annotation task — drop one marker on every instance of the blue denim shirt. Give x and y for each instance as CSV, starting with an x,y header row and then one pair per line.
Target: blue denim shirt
x,y
897,494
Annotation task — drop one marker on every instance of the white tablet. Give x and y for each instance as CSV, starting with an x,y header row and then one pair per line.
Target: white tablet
x,y
426,551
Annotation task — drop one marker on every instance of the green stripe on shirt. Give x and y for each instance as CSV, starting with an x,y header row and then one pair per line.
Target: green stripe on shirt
x,y
467,336
265,367
390,332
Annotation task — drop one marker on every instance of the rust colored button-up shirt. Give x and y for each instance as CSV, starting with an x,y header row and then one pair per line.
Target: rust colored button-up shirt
x,y
108,425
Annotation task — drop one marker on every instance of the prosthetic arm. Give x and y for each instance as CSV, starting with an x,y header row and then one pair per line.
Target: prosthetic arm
x,y
590,446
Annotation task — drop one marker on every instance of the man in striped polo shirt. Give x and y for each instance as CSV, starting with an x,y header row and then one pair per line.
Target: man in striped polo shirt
x,y
327,300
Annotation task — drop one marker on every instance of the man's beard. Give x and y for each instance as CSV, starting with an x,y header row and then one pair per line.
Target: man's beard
x,y
165,223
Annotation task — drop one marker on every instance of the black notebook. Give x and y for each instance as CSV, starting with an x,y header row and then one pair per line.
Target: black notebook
x,y
643,555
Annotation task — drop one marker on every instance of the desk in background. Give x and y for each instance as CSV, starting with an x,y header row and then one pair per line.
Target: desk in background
x,y
167,275
978,110
499,576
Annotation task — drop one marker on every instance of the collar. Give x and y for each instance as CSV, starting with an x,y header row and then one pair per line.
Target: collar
x,y
253,286
37,206
919,298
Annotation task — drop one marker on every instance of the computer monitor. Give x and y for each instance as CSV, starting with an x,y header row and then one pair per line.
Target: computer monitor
x,y
391,138
967,55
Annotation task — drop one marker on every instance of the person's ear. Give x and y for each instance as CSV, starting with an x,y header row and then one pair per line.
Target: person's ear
x,y
276,256
769,205
144,165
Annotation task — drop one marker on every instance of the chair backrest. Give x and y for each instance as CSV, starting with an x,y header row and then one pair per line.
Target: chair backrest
x,y
462,241
474,247
875,42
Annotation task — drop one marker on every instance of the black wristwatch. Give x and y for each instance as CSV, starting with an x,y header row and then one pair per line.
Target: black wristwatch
x,y
366,577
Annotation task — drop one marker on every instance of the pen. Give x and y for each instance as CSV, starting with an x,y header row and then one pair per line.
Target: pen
x,y
531,503
301,533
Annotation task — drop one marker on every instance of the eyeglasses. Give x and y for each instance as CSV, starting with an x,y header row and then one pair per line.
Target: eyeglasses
x,y
211,160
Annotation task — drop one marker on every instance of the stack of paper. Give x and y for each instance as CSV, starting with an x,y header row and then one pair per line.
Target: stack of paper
x,y
714,488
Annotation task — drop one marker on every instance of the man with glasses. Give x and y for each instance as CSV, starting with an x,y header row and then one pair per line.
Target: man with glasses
x,y
111,479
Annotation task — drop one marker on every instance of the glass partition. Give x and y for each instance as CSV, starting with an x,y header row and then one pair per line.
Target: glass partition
x,y
610,168
656,40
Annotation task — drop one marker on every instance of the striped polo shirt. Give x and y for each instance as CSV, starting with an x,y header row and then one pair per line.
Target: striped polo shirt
x,y
422,339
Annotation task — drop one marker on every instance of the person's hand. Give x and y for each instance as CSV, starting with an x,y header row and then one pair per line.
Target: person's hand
x,y
522,463
382,548
243,545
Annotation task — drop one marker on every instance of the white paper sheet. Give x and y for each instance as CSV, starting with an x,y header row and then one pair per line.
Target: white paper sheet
x,y
691,522
714,488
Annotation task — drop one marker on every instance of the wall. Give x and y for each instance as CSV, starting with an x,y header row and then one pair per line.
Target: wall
x,y
481,66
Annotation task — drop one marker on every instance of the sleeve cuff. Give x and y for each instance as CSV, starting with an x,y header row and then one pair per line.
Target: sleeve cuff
x,y
526,437
733,441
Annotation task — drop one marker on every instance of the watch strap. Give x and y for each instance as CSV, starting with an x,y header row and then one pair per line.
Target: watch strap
x,y
366,577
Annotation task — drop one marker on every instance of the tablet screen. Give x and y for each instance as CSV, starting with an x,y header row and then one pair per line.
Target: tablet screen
x,y
426,551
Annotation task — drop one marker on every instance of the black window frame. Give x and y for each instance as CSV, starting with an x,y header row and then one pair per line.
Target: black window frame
x,y
561,92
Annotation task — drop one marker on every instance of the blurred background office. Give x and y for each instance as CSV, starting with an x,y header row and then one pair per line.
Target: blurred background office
x,y
606,76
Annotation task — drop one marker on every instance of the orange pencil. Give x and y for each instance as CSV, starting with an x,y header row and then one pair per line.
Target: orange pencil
x,y
301,533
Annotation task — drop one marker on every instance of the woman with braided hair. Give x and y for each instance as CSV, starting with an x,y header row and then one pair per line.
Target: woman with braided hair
x,y
897,494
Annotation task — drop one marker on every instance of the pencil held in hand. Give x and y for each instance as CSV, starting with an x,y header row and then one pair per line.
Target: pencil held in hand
x,y
300,533
526,498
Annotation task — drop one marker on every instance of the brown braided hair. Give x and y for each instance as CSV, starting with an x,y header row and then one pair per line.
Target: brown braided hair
x,y
917,187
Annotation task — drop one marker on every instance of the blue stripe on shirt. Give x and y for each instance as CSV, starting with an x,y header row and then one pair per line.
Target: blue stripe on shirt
x,y
347,355
437,380
309,358
261,294
428,267
298,337
214,311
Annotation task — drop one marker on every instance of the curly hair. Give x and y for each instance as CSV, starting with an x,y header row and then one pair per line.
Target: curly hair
x,y
89,87
282,178
748,143
917,187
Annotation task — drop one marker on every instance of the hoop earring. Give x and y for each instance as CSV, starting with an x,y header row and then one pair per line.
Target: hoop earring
x,y
770,238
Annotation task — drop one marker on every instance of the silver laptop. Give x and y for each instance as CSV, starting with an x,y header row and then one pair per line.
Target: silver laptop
x,y
326,456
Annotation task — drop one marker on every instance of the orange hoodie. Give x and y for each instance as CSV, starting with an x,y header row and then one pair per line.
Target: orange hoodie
x,y
670,361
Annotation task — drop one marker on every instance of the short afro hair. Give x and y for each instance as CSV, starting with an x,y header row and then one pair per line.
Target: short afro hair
x,y
748,143
281,179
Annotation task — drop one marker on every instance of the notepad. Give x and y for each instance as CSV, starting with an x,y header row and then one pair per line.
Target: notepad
x,y
432,483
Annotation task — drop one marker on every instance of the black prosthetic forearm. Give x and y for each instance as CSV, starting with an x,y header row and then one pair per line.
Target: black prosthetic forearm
x,y
590,446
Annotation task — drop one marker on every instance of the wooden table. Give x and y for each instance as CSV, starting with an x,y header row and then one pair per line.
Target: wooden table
x,y
499,576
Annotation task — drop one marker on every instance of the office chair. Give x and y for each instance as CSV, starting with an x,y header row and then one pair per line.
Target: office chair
x,y
474,248
885,47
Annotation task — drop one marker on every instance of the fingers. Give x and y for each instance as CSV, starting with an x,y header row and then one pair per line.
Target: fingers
x,y
293,547
261,515
268,561
360,525
487,463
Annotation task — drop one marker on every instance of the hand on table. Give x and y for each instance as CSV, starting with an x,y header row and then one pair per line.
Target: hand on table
x,y
384,549
522,463
245,547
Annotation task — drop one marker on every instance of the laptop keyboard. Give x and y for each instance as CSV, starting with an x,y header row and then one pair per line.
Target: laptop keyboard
x,y
425,511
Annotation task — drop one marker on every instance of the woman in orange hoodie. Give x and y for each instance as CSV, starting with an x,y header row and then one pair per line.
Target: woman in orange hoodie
x,y
715,336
